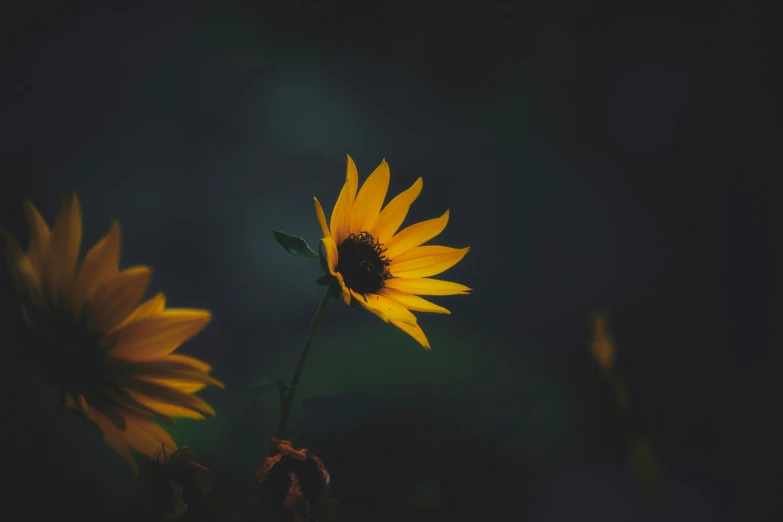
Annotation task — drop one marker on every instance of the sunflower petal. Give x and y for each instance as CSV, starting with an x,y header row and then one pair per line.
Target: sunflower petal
x,y
155,335
330,248
82,405
412,302
39,238
415,235
362,301
147,437
414,330
152,306
115,415
128,401
100,264
183,386
163,372
602,346
117,297
165,409
68,401
115,439
426,286
22,272
66,238
345,291
13,252
319,211
331,260
392,216
192,362
341,215
385,308
155,389
341,208
370,199
425,261
171,369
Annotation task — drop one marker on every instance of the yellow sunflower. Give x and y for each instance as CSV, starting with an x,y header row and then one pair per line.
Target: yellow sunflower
x,y
110,354
381,269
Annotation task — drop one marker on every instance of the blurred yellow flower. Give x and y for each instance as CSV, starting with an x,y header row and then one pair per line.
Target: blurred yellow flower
x,y
383,270
602,344
110,354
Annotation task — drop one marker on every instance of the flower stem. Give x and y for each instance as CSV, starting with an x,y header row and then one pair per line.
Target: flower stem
x,y
288,400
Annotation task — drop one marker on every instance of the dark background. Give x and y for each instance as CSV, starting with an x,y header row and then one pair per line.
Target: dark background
x,y
591,154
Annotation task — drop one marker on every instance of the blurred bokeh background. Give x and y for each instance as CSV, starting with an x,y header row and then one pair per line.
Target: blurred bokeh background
x,y
592,154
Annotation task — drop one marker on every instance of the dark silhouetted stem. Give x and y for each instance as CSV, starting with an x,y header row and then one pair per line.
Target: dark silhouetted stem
x,y
288,400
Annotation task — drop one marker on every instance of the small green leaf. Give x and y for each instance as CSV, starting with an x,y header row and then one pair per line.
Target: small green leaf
x,y
296,246
264,385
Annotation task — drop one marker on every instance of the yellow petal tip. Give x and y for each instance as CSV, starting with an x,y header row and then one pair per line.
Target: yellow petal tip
x,y
70,201
6,234
29,204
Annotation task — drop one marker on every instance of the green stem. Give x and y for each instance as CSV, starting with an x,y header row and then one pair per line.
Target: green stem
x,y
289,398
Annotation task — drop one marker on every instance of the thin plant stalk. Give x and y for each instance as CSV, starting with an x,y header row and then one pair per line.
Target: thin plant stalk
x,y
288,399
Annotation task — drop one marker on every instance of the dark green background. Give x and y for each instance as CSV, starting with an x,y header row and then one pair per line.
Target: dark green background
x,y
591,154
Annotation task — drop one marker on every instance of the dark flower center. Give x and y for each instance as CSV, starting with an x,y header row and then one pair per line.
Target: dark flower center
x,y
68,353
362,264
